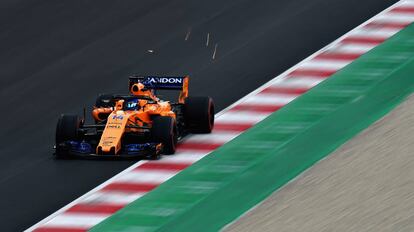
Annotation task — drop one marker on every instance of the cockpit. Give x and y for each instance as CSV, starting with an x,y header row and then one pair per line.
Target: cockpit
x,y
132,104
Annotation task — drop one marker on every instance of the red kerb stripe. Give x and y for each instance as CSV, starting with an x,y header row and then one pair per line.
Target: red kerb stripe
x,y
163,166
312,72
361,40
231,127
198,146
95,208
337,56
256,108
403,9
280,90
393,25
129,187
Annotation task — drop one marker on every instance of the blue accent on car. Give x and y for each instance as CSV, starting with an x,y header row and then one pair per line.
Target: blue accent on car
x,y
164,82
120,117
80,147
136,148
132,104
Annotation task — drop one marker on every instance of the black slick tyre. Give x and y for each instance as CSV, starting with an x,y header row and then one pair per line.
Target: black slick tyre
x,y
67,129
199,114
164,130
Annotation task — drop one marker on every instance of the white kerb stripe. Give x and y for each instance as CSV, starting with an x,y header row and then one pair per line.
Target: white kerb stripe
x,y
217,137
183,157
375,33
241,117
146,176
72,220
298,82
322,64
353,48
271,99
393,17
112,197
406,3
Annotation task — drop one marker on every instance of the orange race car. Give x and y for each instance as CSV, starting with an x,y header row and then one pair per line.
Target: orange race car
x,y
138,124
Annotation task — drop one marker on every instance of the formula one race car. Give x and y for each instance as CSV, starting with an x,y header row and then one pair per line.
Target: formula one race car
x,y
138,124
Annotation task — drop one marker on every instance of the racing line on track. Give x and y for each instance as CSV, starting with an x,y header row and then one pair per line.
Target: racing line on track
x,y
142,177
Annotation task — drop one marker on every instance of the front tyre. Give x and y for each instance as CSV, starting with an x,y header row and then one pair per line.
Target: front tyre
x,y
164,130
199,114
67,129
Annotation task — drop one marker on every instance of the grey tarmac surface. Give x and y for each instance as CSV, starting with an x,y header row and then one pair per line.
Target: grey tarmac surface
x,y
56,56
365,185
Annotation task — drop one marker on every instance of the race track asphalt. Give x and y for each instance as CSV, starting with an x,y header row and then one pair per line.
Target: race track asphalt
x,y
56,56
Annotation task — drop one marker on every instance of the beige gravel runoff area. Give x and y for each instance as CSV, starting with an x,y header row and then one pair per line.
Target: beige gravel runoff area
x,y
365,185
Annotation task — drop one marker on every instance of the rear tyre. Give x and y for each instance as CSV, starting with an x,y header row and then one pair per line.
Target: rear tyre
x,y
66,130
105,101
164,130
199,114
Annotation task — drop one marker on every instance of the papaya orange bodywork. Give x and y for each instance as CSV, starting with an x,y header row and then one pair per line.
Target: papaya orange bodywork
x,y
120,121
111,138
130,125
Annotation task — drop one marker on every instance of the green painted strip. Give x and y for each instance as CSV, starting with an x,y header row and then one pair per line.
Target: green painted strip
x,y
242,173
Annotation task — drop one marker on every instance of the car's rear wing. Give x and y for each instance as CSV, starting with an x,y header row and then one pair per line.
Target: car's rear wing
x,y
163,83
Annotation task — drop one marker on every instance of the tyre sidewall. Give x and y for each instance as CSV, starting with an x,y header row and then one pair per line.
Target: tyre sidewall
x,y
199,114
164,130
66,130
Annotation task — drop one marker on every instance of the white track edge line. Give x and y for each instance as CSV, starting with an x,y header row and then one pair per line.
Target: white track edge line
x,y
278,78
